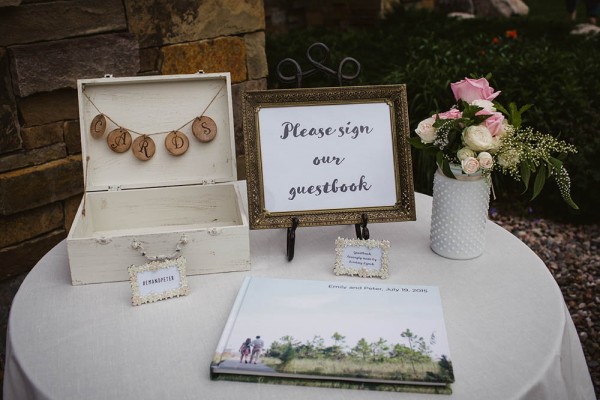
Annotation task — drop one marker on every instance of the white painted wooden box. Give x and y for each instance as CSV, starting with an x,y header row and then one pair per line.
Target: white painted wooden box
x,y
158,202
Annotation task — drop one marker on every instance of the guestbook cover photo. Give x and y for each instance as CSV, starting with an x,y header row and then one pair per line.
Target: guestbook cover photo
x,y
336,334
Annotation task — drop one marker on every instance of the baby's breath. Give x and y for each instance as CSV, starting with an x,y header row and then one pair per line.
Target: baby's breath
x,y
441,140
563,181
531,147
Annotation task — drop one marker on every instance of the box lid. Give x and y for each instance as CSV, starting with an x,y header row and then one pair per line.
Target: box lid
x,y
155,106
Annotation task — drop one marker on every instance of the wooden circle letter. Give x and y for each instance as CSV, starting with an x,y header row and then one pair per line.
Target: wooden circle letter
x,y
177,143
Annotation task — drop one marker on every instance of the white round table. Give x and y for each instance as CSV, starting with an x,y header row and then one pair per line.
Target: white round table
x,y
510,334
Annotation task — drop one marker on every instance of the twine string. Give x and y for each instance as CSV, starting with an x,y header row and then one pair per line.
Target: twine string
x,y
154,133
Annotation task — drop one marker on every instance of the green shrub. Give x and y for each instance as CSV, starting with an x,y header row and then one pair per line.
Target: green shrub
x,y
544,65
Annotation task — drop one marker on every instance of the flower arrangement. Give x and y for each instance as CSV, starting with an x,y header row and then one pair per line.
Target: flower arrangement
x,y
481,136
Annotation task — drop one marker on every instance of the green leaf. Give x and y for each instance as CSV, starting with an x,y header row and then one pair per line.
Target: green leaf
x,y
525,108
480,118
454,138
515,115
540,180
525,175
556,163
417,143
501,108
439,157
548,169
462,104
438,121
444,165
469,111
570,202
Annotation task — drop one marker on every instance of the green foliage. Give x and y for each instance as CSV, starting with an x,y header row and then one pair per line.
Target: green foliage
x,y
379,350
362,350
513,114
535,152
544,65
378,359
446,370
445,374
288,354
287,348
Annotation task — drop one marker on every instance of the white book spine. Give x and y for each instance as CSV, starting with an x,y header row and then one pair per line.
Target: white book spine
x,y
233,315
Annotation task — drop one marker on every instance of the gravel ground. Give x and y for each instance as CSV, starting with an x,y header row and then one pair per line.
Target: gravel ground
x,y
572,255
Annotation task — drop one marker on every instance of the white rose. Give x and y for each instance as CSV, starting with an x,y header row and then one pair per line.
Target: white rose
x,y
485,104
478,138
470,165
426,131
508,158
496,142
465,152
485,160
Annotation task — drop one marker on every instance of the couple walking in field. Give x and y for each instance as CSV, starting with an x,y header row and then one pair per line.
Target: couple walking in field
x,y
251,348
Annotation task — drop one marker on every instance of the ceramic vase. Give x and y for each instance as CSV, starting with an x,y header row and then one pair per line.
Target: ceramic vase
x,y
459,214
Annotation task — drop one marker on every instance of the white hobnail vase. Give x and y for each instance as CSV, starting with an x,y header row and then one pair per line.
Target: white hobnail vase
x,y
459,214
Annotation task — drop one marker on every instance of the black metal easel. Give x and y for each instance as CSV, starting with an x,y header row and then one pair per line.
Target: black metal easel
x,y
318,65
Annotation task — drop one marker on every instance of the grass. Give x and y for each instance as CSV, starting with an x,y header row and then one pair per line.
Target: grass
x,y
360,369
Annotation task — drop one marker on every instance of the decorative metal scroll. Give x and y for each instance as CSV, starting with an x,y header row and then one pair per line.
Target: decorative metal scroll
x,y
319,65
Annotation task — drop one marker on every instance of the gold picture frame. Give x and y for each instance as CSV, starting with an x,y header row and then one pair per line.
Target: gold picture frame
x,y
269,162
364,258
168,276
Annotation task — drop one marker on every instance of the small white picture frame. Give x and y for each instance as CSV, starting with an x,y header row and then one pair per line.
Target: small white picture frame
x,y
364,258
158,280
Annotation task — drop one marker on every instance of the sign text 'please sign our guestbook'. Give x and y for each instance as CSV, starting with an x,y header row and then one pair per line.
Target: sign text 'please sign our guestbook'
x,y
327,156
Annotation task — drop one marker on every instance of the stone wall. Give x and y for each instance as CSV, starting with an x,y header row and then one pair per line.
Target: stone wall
x,y
45,46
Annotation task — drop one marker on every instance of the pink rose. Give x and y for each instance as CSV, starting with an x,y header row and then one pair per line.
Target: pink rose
x,y
494,123
470,90
453,113
486,161
470,165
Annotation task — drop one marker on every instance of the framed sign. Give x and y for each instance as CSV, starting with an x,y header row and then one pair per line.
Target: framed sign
x,y
158,280
327,156
364,258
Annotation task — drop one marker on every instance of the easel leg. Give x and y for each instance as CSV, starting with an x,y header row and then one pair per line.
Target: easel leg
x,y
291,239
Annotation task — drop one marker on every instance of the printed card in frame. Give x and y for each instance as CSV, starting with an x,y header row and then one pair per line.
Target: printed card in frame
x,y
364,258
327,156
158,280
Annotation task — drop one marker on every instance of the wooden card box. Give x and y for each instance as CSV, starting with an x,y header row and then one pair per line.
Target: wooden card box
x,y
158,202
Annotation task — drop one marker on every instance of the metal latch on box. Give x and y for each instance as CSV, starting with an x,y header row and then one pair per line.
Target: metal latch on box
x,y
114,188
214,231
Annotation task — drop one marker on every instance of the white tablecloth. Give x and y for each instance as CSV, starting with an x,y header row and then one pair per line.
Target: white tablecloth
x,y
510,334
